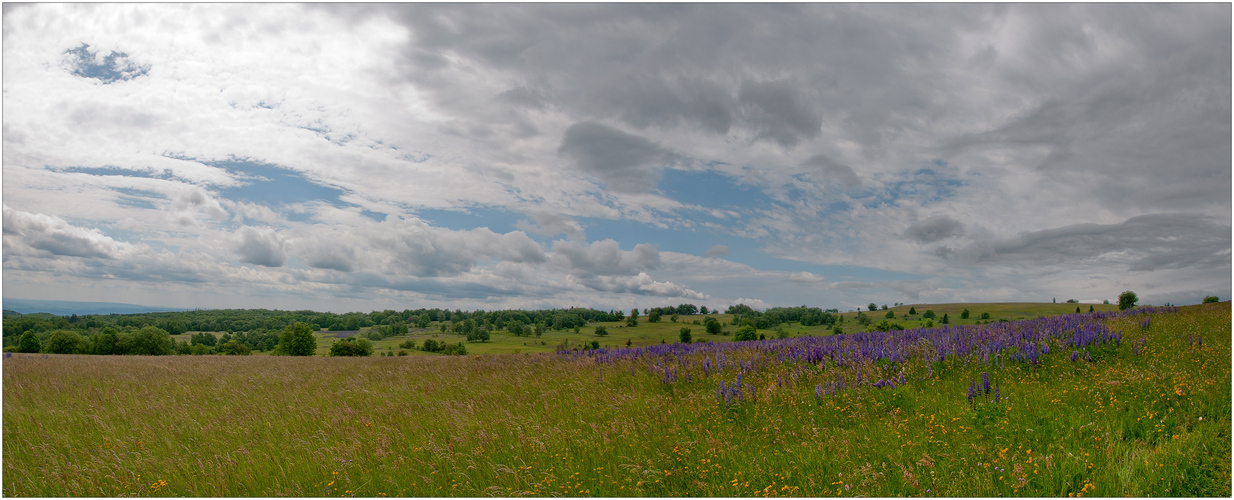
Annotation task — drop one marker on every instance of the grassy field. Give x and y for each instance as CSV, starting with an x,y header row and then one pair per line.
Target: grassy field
x,y
1132,404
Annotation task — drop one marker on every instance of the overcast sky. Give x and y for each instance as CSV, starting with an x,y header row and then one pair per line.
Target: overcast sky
x,y
364,157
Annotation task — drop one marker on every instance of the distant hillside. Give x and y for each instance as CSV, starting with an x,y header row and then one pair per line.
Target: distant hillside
x,y
66,308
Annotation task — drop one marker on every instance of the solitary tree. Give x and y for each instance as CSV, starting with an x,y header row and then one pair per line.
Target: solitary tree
x,y
601,330
1211,299
964,314
1127,300
64,342
746,332
873,306
684,335
890,314
297,340
653,317
912,310
29,342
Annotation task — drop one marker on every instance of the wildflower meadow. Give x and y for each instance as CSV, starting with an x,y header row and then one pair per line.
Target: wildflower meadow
x,y
1093,404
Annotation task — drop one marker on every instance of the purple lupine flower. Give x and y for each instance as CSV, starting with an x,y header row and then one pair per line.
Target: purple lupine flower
x,y
985,382
1200,342
1074,355
818,391
996,396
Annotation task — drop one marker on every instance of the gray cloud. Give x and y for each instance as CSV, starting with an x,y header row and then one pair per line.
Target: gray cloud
x,y
832,169
933,229
716,251
261,246
780,111
626,162
1143,243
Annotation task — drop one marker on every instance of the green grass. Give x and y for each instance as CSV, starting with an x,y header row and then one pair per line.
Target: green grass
x,y
1153,424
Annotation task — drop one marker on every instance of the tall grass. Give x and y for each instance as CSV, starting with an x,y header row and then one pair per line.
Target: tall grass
x,y
1148,415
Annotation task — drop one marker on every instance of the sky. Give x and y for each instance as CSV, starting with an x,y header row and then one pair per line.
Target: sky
x,y
344,157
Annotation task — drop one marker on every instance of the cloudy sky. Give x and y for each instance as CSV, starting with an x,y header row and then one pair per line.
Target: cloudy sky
x,y
351,157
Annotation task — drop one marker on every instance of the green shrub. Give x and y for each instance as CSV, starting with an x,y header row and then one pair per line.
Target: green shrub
x,y
929,314
746,332
235,348
455,349
1211,299
683,335
601,330
964,314
351,346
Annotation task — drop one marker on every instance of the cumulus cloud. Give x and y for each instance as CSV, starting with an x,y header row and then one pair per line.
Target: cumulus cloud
x,y
604,258
260,245
24,231
641,284
716,251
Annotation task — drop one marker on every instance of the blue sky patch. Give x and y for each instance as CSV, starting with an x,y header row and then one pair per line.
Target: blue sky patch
x,y
468,218
114,67
276,186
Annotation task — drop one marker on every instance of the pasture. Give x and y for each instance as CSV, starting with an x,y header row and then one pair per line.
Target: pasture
x,y
1090,405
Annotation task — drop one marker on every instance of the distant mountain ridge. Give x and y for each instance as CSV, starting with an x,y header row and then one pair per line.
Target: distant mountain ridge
x,y
66,308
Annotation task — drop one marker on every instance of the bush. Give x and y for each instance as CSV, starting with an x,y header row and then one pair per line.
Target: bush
x,y
200,350
946,320
964,314
873,306
601,330
351,346
746,332
430,345
890,314
455,349
684,335
912,311
985,315
595,344
653,317
929,314
407,344
1127,300
236,348
1211,299
712,325
402,352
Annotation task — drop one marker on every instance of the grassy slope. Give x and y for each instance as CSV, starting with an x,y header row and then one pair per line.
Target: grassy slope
x,y
1153,424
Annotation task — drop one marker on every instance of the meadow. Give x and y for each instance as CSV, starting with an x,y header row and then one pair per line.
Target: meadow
x,y
1101,404
667,331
